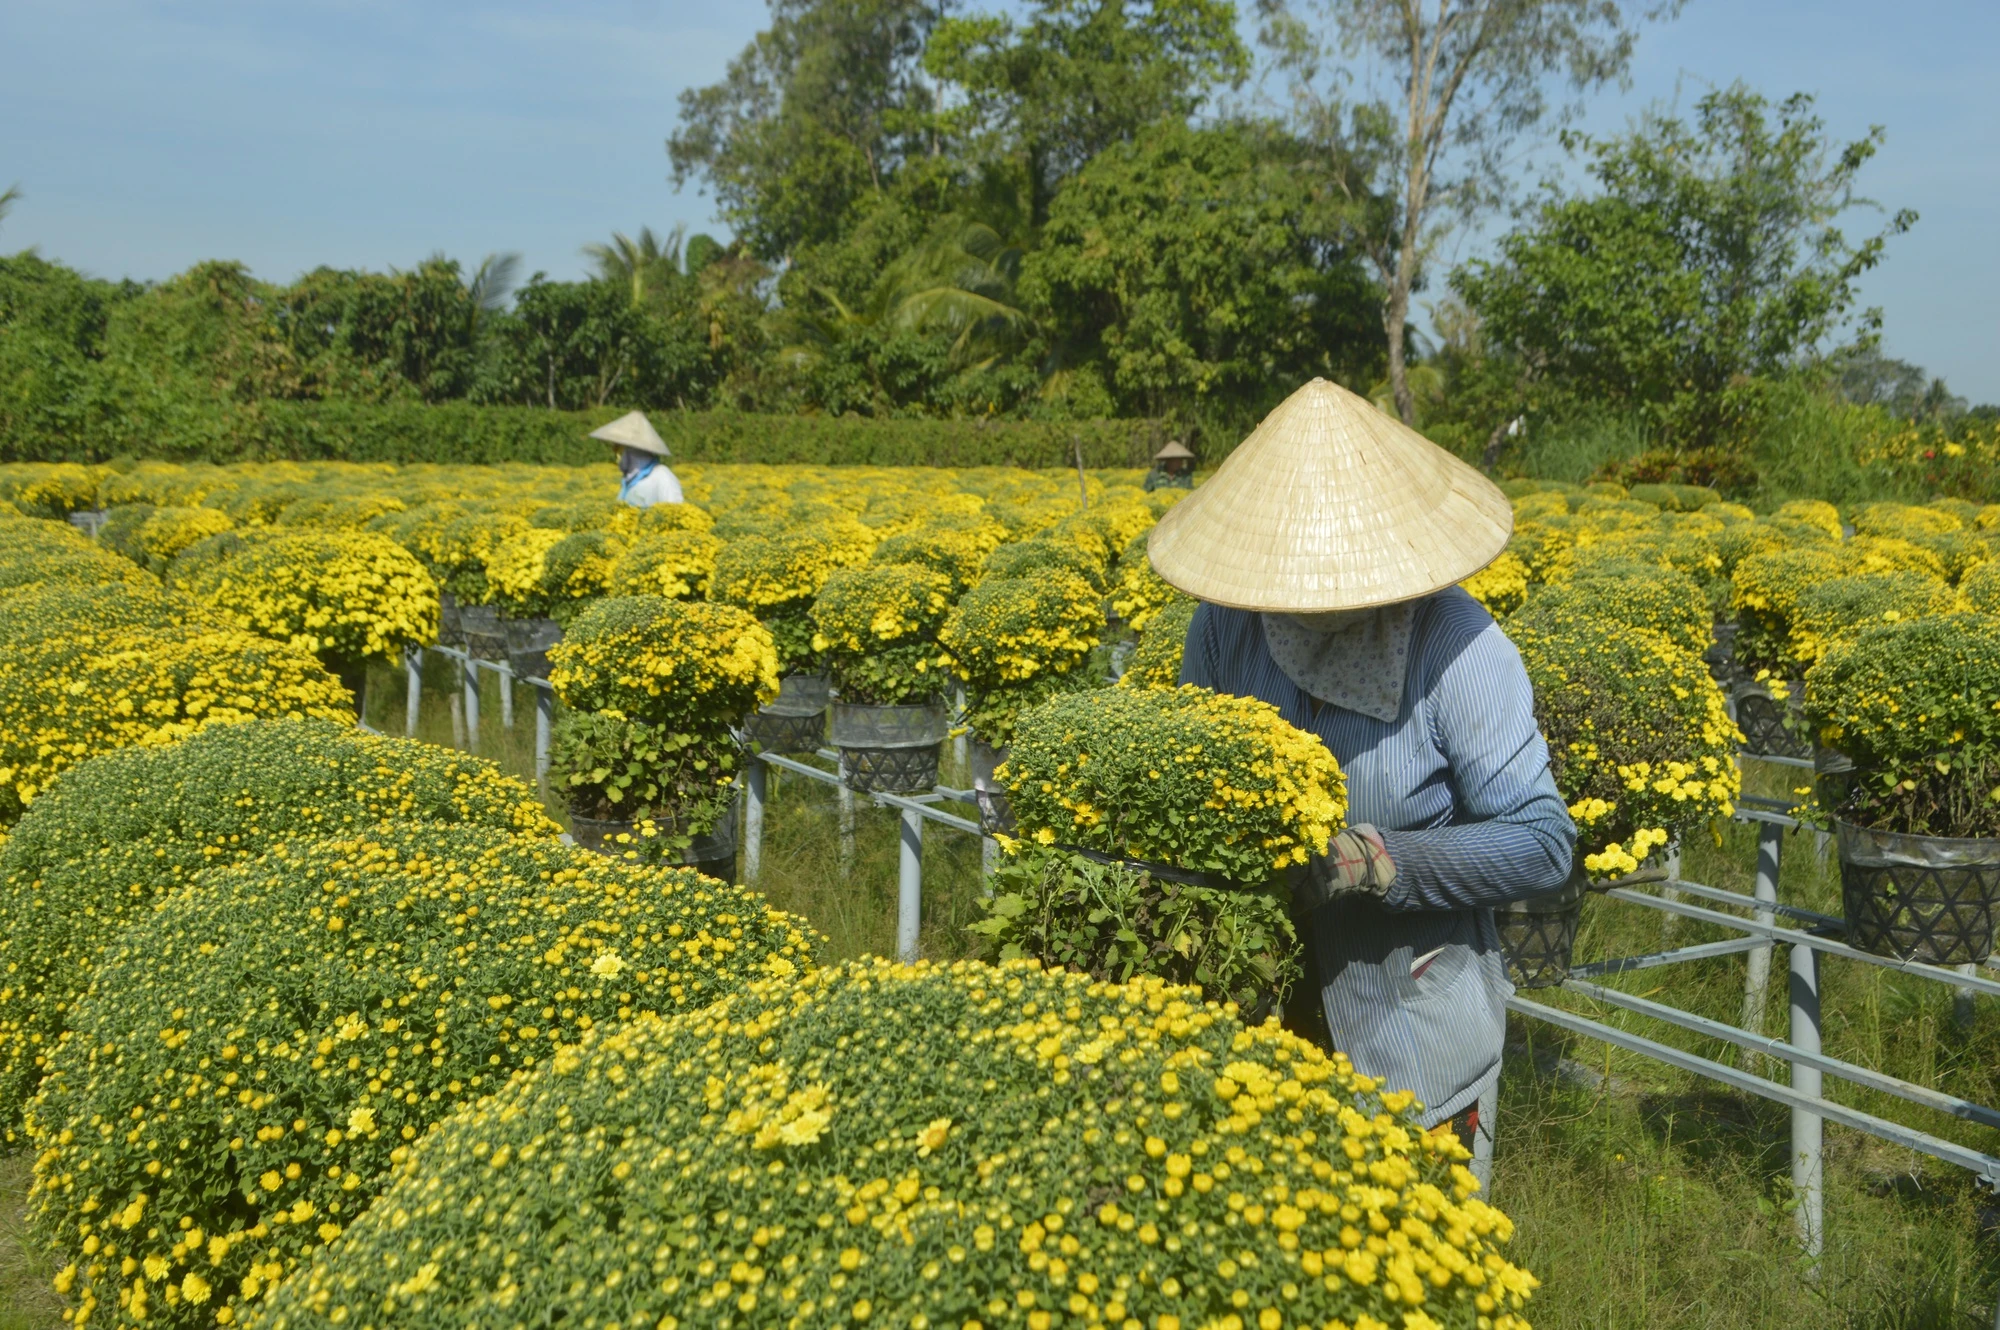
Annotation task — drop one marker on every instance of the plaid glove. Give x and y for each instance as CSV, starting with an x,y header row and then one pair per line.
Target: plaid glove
x,y
1356,863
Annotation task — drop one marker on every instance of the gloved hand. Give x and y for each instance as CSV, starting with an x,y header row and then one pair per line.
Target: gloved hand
x,y
1356,862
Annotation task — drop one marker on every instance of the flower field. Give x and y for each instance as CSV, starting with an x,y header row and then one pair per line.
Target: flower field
x,y
302,1024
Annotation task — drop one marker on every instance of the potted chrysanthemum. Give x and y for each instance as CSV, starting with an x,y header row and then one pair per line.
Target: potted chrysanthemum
x,y
1642,748
1160,830
776,577
1915,704
651,689
877,629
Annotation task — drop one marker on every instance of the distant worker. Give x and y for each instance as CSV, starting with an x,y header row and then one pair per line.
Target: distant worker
x,y
640,452
1173,468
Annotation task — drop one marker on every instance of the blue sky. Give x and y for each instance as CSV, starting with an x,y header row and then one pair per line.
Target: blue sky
x,y
147,136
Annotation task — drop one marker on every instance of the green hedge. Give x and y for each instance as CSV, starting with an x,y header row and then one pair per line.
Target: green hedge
x,y
457,432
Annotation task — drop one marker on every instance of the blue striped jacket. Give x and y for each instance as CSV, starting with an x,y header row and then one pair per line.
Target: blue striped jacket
x,y
1459,784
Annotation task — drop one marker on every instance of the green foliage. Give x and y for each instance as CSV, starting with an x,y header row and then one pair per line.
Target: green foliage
x,y
1635,595
127,827
324,1006
1114,921
1706,259
607,766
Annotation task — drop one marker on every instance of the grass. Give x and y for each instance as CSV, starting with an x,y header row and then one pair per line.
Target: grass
x,y
1645,1198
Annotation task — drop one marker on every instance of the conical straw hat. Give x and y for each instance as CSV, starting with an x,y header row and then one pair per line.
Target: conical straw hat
x,y
1174,450
632,430
1330,505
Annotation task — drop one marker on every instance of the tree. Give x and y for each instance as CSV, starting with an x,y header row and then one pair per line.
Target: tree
x,y
824,106
1201,272
1080,75
576,345
646,265
1705,260
8,198
1460,82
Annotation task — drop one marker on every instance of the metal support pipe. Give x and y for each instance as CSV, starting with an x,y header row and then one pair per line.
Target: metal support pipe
x,y
1808,1128
910,887
1983,1166
989,859
545,718
1700,952
845,798
754,788
471,672
1757,975
1795,937
506,672
413,692
1961,998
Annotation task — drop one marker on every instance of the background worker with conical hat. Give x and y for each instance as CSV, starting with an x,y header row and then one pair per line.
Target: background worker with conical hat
x,y
640,460
1173,468
1327,549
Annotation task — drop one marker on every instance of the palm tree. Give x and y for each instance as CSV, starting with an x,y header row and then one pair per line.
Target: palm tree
x,y
8,198
642,264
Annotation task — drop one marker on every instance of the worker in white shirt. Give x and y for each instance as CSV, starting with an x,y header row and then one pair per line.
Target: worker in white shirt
x,y
641,460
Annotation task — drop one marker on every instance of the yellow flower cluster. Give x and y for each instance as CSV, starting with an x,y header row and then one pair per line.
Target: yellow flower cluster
x,y
1017,641
1156,661
1140,593
1639,735
877,629
1501,586
686,665
153,536
675,564
809,1152
127,828
97,657
1182,776
344,595
515,567
249,1067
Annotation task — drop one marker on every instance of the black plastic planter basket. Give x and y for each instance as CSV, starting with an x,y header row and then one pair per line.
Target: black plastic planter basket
x,y
1763,720
1538,934
1919,898
889,750
713,855
795,721
528,643
451,631
484,638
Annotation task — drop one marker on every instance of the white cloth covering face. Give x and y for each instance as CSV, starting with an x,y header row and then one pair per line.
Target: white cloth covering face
x,y
1354,659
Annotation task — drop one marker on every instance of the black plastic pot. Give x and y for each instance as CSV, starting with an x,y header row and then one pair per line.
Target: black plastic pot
x,y
713,855
890,750
484,637
1763,720
996,810
528,643
451,632
1538,934
1919,898
795,721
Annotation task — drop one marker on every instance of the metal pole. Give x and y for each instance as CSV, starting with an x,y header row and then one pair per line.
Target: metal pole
x,y
505,669
413,694
989,859
1668,924
457,720
1961,999
910,896
753,821
1757,979
958,745
545,716
471,703
1808,1128
846,800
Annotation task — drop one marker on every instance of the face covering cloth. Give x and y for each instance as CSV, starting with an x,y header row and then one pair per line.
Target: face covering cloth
x,y
1353,659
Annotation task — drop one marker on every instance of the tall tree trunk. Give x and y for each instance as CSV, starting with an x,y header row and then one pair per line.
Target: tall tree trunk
x,y
1395,319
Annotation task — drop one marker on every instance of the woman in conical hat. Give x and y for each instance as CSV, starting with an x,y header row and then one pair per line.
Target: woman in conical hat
x,y
1327,551
641,460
